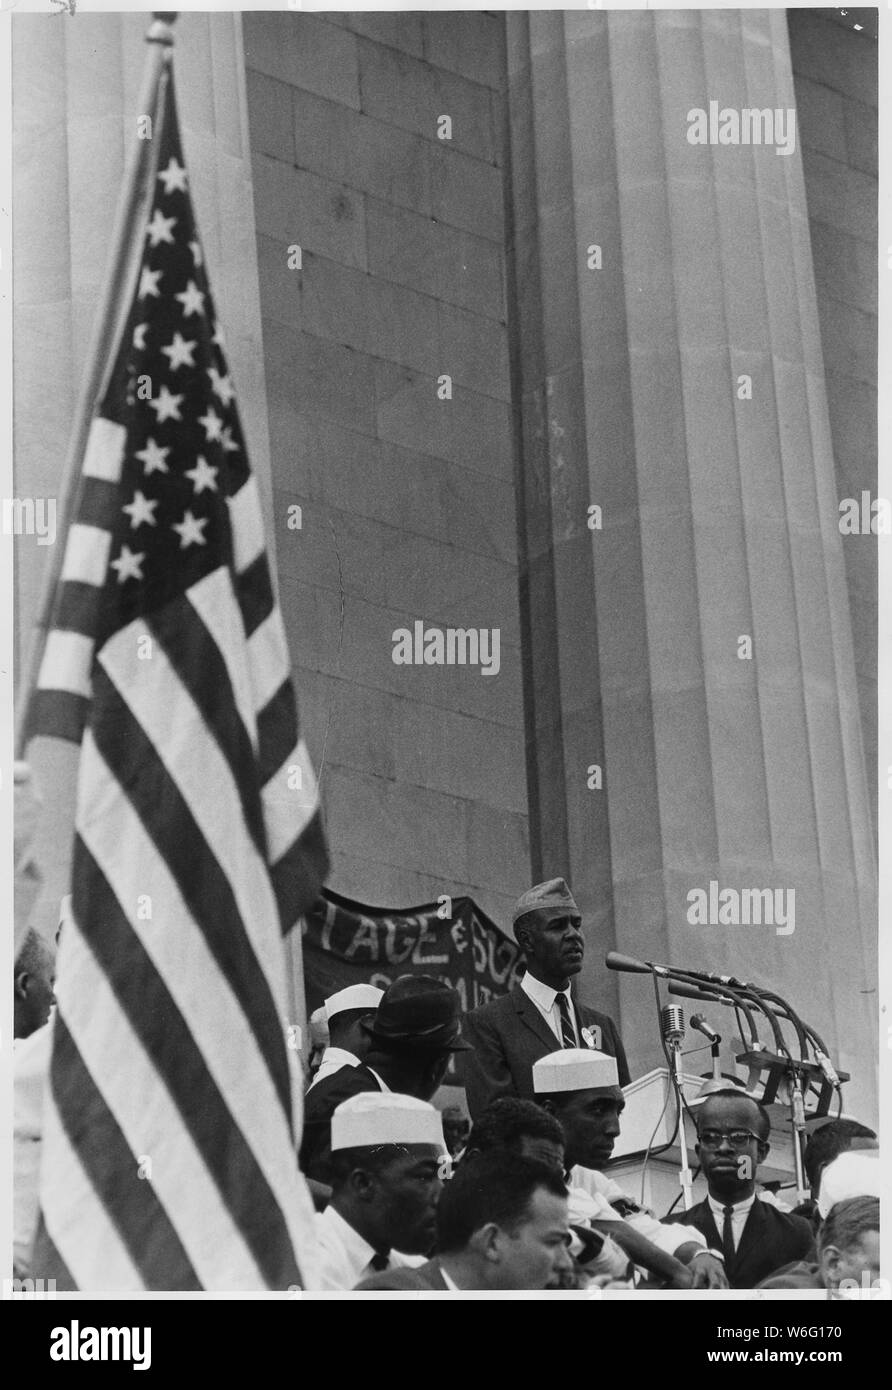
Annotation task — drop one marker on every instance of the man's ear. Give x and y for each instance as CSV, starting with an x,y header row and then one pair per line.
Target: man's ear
x,y
548,1105
362,1185
22,984
829,1260
485,1243
762,1148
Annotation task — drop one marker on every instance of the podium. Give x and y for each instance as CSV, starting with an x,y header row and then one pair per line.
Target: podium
x,y
648,1119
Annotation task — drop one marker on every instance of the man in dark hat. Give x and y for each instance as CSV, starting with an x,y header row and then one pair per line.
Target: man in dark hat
x,y
411,1037
512,1032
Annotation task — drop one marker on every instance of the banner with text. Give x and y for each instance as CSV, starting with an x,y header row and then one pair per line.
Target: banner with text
x,y
347,943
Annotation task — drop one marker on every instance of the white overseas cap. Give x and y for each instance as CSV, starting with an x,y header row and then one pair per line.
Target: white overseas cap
x,y
353,997
383,1117
574,1069
855,1173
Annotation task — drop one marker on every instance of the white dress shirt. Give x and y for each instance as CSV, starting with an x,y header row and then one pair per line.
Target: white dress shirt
x,y
738,1218
450,1283
344,1258
333,1058
31,1069
592,1192
545,999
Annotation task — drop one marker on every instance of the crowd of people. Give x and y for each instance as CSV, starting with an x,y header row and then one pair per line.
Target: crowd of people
x,y
519,1197
523,1200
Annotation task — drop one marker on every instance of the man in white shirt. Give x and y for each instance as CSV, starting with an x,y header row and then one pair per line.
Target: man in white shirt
x,y
388,1163
348,1041
579,1087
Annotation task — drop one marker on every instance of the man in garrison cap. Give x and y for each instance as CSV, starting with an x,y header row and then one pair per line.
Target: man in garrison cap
x,y
345,1012
416,1028
512,1032
388,1160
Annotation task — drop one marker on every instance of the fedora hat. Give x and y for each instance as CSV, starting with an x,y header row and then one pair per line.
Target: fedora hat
x,y
418,1011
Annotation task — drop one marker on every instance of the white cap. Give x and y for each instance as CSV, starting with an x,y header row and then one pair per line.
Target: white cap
x,y
855,1173
353,997
574,1069
383,1117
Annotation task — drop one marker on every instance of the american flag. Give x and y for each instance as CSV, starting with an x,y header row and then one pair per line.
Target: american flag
x,y
173,1110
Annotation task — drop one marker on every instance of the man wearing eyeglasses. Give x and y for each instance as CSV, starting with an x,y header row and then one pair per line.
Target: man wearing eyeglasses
x,y
755,1238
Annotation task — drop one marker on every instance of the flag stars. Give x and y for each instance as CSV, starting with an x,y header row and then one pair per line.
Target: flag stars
x,y
192,299
218,337
174,176
229,444
159,229
141,511
139,336
154,457
148,283
202,475
189,530
166,405
221,385
213,425
180,352
195,248
128,565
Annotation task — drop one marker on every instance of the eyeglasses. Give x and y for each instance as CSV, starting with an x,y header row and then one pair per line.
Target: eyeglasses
x,y
737,1138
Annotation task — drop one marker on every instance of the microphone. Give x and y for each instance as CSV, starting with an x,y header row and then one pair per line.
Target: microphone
x,y
827,1068
672,1021
615,960
699,1022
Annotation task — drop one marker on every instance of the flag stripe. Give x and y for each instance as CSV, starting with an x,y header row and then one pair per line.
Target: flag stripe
x,y
67,659
106,443
86,554
299,872
247,525
131,1202
158,802
268,654
290,800
79,608
120,843
48,1263
254,590
200,666
213,598
58,714
276,731
164,1034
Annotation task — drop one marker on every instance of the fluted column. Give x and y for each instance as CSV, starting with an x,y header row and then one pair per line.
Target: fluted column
x,y
76,87
719,517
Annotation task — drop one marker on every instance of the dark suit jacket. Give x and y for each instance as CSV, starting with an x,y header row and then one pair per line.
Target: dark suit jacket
x,y
770,1239
319,1105
422,1277
508,1035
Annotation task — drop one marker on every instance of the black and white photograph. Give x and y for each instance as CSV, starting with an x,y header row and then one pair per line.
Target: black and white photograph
x,y
445,756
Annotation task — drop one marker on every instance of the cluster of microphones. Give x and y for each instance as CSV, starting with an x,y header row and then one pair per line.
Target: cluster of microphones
x,y
748,1000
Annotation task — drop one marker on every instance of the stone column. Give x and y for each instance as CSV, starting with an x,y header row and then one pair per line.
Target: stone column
x,y
726,761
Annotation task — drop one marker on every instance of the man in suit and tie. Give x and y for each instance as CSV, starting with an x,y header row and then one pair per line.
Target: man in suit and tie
x,y
755,1238
501,1224
511,1033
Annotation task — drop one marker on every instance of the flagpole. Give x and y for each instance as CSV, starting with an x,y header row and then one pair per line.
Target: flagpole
x,y
136,191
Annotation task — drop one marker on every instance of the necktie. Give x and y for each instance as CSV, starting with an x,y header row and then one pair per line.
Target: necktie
x,y
568,1036
379,1262
728,1235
